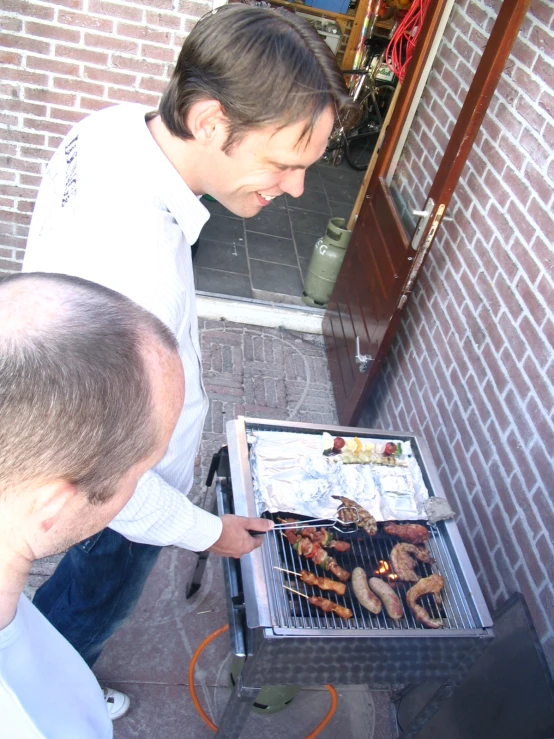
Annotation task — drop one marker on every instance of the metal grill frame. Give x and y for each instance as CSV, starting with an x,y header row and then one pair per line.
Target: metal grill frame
x,y
462,592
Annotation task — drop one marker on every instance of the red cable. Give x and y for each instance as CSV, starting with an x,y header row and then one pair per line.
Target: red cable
x,y
402,44
203,715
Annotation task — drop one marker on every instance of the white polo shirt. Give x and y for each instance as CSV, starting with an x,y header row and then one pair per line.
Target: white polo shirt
x,y
112,209
47,691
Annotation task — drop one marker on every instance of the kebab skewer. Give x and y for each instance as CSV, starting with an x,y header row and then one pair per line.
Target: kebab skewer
x,y
326,605
323,583
323,537
312,550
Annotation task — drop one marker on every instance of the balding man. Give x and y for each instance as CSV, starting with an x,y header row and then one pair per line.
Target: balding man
x,y
91,387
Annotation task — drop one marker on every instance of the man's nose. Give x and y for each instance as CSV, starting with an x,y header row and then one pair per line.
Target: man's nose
x,y
293,182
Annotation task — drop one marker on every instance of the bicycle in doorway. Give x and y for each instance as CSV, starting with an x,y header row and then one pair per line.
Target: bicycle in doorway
x,y
356,137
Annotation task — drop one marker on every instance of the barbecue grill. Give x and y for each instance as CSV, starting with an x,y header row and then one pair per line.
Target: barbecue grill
x,y
286,641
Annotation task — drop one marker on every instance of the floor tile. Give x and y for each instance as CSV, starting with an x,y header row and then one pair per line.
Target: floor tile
x,y
224,229
226,257
278,278
310,200
341,210
342,192
217,209
308,221
275,223
222,283
356,715
270,248
279,204
312,179
304,264
305,243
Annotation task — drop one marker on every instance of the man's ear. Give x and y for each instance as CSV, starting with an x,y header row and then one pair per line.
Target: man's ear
x,y
208,123
50,503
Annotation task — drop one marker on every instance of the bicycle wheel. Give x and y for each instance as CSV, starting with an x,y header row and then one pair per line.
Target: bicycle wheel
x,y
362,139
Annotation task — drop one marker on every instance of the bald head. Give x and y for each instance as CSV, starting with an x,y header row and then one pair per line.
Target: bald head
x,y
76,391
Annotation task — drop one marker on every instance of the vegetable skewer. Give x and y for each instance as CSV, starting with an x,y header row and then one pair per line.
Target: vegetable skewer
x,y
311,550
326,605
324,583
322,537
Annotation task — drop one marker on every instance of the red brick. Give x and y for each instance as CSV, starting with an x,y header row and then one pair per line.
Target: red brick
x,y
37,94
160,53
21,7
111,43
88,88
20,164
47,64
545,71
144,33
82,55
10,57
534,147
48,126
18,192
115,10
511,151
34,153
30,179
54,141
546,101
85,20
9,23
167,20
9,266
137,65
45,30
519,219
153,84
108,76
118,94
65,114
22,43
93,104
536,342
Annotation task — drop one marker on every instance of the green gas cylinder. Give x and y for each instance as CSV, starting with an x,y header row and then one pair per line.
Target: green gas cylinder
x,y
326,261
271,698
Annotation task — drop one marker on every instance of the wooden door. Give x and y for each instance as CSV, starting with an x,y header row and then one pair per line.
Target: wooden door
x,y
384,259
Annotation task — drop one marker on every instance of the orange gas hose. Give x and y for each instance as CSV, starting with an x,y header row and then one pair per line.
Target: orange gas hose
x,y
329,715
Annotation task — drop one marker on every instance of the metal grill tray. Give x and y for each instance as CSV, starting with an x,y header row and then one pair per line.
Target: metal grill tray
x,y
465,610
289,611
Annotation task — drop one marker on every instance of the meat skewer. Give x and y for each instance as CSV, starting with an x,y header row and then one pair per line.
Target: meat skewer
x,y
413,533
323,583
432,584
365,520
322,537
403,562
326,605
311,550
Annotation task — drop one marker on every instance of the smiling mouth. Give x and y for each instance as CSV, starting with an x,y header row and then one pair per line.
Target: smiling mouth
x,y
267,198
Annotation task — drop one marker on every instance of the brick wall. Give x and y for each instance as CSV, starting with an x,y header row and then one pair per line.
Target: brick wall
x,y
60,61
472,366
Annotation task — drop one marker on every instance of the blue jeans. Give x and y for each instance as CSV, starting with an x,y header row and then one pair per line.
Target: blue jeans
x,y
95,588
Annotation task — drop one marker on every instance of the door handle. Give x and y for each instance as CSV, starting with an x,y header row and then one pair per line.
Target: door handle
x,y
362,360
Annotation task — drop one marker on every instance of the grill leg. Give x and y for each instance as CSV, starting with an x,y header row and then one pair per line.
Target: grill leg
x,y
196,581
237,710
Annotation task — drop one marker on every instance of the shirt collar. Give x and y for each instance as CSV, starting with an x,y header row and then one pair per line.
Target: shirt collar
x,y
171,189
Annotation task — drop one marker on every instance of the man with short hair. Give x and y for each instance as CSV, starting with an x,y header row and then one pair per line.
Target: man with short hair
x,y
249,107
91,387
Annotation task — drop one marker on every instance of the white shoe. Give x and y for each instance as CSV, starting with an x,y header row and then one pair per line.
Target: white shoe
x,y
117,703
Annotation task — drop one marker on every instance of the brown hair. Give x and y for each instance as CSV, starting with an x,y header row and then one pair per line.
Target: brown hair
x,y
263,66
75,399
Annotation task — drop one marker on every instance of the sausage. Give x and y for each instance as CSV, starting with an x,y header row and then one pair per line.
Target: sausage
x,y
391,601
363,593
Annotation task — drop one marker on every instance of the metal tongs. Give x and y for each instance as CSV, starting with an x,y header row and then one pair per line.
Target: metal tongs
x,y
344,526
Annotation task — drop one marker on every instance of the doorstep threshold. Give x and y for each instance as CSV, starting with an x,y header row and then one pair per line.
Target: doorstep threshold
x,y
212,306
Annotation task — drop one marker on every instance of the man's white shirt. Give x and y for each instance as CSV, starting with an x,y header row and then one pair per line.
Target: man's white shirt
x,y
112,209
47,690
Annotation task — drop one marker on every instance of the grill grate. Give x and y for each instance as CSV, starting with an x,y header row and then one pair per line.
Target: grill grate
x,y
290,611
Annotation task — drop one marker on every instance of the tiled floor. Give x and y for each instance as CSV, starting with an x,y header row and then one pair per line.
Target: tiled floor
x,y
264,373
266,257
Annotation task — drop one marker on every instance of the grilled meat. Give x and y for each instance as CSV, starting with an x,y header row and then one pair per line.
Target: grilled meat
x,y
413,533
329,607
364,519
390,600
403,562
312,550
324,583
432,584
322,537
363,593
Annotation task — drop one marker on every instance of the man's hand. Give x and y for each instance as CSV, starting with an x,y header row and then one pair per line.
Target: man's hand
x,y
235,539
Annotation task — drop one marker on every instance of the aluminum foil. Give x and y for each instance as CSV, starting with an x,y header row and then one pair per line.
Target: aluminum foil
x,y
290,473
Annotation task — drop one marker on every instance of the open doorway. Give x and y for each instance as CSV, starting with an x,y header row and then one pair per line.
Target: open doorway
x,y
267,257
